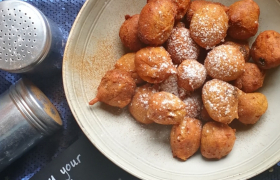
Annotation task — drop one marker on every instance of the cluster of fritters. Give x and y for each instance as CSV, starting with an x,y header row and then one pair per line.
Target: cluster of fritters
x,y
190,66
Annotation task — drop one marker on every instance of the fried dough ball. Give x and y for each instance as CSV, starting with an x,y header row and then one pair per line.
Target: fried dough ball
x,y
220,100
243,19
126,62
209,25
181,46
115,89
194,104
182,8
139,104
153,64
185,138
251,106
225,62
217,140
191,75
166,108
129,33
265,51
252,78
156,22
243,46
197,4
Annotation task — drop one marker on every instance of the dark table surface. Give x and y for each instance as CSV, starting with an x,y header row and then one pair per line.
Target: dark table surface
x,y
63,13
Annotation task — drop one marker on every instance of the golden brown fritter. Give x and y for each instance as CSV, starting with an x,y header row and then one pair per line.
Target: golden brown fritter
x,y
139,104
197,4
191,75
185,138
129,33
217,140
265,51
225,62
252,78
251,106
115,89
126,62
153,64
181,46
156,22
166,108
209,25
243,19
243,46
220,99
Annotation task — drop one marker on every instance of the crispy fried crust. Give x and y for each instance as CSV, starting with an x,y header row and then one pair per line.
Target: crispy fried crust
x,y
126,62
139,104
251,106
265,50
209,25
220,100
166,108
156,22
181,46
153,64
129,33
252,78
225,62
243,19
185,138
217,140
116,88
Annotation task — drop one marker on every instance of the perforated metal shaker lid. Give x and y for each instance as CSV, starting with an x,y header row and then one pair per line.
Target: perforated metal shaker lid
x,y
24,36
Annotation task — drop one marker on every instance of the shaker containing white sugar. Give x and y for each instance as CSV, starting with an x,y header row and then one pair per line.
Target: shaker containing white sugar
x,y
29,41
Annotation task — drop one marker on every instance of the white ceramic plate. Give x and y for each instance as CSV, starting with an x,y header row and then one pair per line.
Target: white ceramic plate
x,y
143,150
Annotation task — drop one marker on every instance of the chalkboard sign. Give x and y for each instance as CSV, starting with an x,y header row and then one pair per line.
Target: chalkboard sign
x,y
82,161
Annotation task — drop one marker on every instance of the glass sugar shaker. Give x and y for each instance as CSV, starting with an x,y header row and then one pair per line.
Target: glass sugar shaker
x,y
26,117
29,41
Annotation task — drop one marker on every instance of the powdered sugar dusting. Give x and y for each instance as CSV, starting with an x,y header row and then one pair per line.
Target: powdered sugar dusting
x,y
154,63
193,73
225,62
183,93
170,101
220,99
194,104
170,85
209,25
181,46
143,94
165,108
